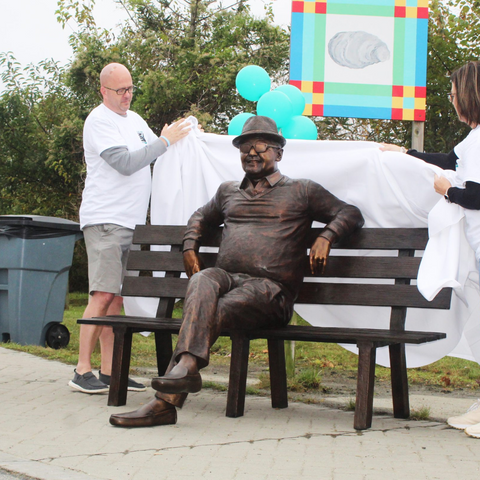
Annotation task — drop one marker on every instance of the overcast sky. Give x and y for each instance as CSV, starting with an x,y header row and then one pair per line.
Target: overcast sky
x,y
30,29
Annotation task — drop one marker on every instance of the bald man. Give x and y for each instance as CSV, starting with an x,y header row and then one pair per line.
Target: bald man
x,y
119,148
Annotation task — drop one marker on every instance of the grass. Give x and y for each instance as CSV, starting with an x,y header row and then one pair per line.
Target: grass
x,y
423,413
350,405
314,361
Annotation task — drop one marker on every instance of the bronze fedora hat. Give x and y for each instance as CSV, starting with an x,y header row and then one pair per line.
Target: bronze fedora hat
x,y
259,126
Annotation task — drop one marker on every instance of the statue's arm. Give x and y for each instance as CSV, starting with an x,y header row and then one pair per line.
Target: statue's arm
x,y
340,219
192,262
204,219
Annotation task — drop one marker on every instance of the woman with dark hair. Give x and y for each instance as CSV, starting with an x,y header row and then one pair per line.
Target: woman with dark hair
x,y
464,187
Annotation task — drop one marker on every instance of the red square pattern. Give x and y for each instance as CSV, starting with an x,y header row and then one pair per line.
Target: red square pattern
x,y
397,114
321,7
296,83
297,7
399,11
420,92
419,115
397,91
422,12
317,110
318,87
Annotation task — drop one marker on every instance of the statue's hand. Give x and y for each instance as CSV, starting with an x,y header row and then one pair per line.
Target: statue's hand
x,y
192,262
318,255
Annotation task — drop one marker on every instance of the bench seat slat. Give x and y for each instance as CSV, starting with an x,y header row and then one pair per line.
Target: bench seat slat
x,y
290,332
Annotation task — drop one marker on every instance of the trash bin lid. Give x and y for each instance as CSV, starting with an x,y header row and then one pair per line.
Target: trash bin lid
x,y
36,226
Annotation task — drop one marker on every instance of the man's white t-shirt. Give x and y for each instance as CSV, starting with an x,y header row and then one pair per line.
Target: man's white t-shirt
x,y
109,196
468,170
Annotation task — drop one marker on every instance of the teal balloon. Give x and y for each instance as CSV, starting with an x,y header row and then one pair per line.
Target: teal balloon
x,y
301,128
252,82
296,97
277,106
237,122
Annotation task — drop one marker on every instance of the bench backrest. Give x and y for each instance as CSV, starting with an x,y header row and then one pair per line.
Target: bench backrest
x,y
372,267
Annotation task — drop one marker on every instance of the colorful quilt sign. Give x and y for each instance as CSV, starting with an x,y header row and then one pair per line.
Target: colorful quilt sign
x,y
361,58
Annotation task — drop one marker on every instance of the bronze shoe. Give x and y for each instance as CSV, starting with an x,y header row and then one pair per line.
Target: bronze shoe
x,y
156,412
178,380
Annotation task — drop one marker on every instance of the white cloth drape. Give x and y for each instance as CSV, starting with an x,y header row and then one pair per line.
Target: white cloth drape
x,y
391,189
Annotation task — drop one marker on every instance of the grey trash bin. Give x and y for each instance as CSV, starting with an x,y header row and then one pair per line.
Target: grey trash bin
x,y
36,254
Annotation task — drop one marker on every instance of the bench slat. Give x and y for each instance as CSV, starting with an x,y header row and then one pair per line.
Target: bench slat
x,y
370,295
169,235
386,239
156,261
154,287
310,293
366,238
290,332
337,266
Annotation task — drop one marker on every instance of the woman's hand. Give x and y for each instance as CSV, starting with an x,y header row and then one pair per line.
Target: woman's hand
x,y
390,147
441,184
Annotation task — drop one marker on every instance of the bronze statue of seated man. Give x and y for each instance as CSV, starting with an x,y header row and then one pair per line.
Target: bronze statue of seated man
x,y
266,217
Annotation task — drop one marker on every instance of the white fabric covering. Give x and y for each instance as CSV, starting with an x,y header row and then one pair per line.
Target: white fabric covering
x,y
391,189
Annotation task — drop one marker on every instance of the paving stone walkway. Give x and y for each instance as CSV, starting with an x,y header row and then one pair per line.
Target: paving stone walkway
x,y
51,432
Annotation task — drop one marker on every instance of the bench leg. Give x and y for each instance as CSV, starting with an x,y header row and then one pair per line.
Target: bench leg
x,y
163,346
122,349
365,384
278,373
237,383
398,372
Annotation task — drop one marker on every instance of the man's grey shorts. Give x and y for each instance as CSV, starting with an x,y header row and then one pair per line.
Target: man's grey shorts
x,y
107,251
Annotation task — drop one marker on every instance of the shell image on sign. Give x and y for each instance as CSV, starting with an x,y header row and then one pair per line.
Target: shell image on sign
x,y
361,58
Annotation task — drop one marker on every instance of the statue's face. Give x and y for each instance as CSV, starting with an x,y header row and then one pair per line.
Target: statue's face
x,y
259,157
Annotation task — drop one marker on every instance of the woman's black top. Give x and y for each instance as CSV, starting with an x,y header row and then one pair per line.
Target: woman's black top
x,y
468,197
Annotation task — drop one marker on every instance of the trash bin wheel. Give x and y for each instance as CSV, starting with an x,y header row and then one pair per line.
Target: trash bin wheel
x,y
57,336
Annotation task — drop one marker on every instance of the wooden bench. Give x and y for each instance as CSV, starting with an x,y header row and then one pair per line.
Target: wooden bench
x,y
399,295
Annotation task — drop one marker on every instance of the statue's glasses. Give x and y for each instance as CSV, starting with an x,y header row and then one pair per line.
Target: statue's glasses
x,y
259,147
123,91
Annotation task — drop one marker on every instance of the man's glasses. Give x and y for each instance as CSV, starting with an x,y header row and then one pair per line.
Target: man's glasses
x,y
259,147
451,96
122,91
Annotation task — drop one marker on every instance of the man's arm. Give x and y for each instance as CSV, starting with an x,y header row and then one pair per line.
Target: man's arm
x,y
127,163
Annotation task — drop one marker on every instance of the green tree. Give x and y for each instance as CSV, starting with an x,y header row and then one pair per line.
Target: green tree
x,y
40,141
184,57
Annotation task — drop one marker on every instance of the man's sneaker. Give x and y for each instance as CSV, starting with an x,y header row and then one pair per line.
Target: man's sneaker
x,y
133,386
88,383
472,417
473,430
